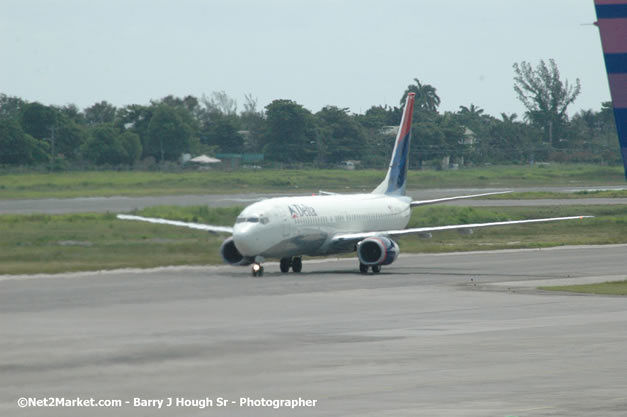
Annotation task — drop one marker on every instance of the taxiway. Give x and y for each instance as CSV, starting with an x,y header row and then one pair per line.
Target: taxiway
x,y
462,334
122,204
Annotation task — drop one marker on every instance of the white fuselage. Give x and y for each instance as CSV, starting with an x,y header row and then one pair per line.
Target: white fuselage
x,y
295,226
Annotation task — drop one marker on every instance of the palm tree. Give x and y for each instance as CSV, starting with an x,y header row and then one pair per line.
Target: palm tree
x,y
509,119
471,111
426,96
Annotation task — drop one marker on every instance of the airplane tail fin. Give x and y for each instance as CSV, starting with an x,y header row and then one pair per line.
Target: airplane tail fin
x,y
396,178
612,23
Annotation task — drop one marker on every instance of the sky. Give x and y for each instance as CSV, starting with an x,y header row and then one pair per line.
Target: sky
x,y
347,53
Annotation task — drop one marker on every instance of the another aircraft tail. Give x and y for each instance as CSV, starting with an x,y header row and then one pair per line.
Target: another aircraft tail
x,y
396,178
612,23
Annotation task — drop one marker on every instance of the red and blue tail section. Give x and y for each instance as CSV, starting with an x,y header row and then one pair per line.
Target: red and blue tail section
x,y
396,179
612,23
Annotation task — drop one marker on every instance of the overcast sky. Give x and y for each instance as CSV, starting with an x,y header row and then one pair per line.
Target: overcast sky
x,y
353,53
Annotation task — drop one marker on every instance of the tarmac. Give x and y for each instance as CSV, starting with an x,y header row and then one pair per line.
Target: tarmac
x,y
461,334
123,204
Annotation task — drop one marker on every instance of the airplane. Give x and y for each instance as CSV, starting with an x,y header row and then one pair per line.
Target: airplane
x,y
289,227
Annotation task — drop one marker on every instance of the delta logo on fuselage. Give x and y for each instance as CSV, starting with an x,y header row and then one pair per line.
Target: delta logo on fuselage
x,y
301,210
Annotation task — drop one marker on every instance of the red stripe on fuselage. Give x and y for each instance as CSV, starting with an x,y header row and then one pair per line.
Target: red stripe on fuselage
x,y
610,2
618,87
613,35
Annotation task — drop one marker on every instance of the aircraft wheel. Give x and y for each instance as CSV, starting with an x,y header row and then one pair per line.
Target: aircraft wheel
x,y
285,264
363,268
376,269
297,264
257,270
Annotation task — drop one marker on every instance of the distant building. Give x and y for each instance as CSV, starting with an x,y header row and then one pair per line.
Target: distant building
x,y
204,159
389,130
349,164
238,159
468,137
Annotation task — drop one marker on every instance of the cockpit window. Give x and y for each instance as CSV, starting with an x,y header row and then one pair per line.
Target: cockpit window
x,y
262,220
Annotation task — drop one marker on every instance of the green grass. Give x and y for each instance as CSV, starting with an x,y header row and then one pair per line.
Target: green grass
x,y
136,183
605,288
78,242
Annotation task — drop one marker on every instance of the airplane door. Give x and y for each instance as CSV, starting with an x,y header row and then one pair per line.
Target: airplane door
x,y
287,227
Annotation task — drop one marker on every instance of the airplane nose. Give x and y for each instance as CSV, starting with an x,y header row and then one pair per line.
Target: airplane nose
x,y
247,240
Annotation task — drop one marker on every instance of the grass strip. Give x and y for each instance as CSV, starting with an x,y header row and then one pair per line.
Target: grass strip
x,y
143,183
605,288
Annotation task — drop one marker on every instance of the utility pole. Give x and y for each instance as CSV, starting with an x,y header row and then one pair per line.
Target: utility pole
x,y
551,132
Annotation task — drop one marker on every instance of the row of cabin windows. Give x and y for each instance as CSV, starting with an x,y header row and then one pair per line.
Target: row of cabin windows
x,y
339,219
320,220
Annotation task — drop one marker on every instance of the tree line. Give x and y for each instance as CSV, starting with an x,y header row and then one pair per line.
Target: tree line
x,y
287,133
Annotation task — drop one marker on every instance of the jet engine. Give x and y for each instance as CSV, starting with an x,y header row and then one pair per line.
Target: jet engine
x,y
232,256
377,251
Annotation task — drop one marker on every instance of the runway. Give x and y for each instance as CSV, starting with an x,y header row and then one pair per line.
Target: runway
x,y
122,204
432,335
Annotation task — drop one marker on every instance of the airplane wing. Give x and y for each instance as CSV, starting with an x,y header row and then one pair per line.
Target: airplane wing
x,y
197,226
340,238
441,200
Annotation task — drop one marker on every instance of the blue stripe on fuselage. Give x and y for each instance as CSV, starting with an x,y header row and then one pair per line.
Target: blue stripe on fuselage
x,y
611,11
399,166
620,115
616,63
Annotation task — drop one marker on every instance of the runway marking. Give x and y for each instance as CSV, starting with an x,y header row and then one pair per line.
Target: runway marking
x,y
560,281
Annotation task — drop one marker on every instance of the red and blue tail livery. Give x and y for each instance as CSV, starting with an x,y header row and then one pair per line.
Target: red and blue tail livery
x,y
612,23
396,179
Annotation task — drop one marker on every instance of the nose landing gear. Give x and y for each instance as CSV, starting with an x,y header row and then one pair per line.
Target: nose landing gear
x,y
257,270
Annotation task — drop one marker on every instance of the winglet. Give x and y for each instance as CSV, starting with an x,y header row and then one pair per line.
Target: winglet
x,y
612,23
396,179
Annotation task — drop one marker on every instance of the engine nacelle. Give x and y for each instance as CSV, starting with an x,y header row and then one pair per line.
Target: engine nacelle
x,y
377,251
232,256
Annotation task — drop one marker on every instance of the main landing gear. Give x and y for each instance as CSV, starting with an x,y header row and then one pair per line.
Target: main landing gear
x,y
296,263
364,268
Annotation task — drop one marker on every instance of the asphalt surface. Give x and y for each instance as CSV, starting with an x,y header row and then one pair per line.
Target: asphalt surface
x,y
122,204
432,335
